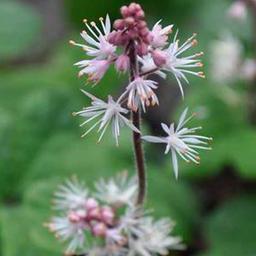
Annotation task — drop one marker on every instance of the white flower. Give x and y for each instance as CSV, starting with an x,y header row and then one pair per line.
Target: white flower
x,y
97,44
160,35
107,113
181,141
147,237
71,196
147,65
95,69
178,65
153,238
66,230
117,191
140,92
225,59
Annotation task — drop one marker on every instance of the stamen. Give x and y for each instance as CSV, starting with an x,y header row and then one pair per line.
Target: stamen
x,y
72,42
201,74
194,42
199,54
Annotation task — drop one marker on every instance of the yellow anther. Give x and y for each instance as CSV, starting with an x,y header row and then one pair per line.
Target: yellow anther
x,y
194,42
72,42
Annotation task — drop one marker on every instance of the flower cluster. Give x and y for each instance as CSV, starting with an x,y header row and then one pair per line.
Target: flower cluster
x,y
181,141
110,218
132,46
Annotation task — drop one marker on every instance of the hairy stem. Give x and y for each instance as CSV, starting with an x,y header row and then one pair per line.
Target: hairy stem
x,y
136,116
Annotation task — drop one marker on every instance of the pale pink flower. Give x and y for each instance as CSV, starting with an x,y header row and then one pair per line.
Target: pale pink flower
x,y
95,69
97,45
122,63
178,65
160,35
140,93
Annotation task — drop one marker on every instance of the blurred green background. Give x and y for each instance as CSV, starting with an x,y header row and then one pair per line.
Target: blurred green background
x,y
213,204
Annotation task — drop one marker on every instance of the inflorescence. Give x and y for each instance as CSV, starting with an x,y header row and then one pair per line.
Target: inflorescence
x,y
106,222
154,55
111,221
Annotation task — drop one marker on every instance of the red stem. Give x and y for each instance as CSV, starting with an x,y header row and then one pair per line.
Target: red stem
x,y
136,116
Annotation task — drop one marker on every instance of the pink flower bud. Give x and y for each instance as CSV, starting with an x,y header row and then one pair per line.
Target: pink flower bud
x,y
144,31
148,39
125,11
159,57
142,49
133,8
94,214
119,24
90,204
99,229
141,24
122,63
129,21
107,215
112,37
140,14
138,7
73,217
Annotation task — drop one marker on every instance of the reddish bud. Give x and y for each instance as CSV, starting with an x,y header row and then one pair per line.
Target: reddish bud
x,y
147,39
140,14
129,21
125,11
159,57
141,24
73,217
122,63
142,49
99,229
94,213
90,204
112,37
107,215
119,24
144,32
133,8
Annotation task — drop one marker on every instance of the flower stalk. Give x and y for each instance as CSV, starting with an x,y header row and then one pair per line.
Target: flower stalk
x,y
137,143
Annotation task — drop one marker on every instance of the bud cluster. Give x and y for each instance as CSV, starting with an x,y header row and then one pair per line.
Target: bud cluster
x,y
132,27
110,218
95,218
132,46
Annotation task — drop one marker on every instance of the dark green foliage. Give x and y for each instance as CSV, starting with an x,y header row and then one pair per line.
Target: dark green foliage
x,y
230,229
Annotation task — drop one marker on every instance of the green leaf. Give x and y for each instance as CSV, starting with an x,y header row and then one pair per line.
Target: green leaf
x,y
67,153
169,197
20,28
22,231
230,229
